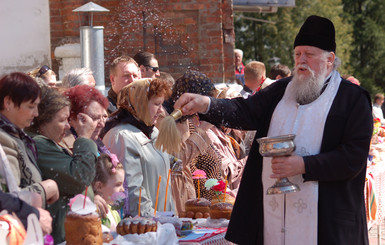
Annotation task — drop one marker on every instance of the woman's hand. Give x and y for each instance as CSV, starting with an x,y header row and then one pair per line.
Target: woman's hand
x,y
84,125
101,205
51,190
45,221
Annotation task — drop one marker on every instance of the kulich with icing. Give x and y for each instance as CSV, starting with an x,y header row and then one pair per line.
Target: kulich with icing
x,y
82,224
83,229
221,210
197,208
220,198
137,225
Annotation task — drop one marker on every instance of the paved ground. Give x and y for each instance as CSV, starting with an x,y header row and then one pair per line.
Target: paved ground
x,y
373,235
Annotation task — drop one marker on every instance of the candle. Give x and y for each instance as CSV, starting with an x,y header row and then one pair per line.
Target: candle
x,y
85,197
140,197
157,195
199,190
165,198
224,195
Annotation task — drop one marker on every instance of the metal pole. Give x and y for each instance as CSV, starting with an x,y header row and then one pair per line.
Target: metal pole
x,y
92,52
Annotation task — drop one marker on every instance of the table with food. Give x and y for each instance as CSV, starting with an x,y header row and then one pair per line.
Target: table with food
x,y
203,222
83,225
375,179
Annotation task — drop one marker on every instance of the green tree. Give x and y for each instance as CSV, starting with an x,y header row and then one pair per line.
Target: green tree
x,y
262,41
368,46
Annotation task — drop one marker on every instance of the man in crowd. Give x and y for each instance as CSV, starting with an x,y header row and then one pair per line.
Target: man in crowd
x,y
123,71
332,121
276,72
239,67
255,75
279,71
376,110
148,64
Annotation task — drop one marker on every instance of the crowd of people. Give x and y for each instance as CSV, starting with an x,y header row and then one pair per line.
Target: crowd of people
x,y
69,139
62,139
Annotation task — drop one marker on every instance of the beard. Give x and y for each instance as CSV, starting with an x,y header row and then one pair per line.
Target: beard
x,y
308,87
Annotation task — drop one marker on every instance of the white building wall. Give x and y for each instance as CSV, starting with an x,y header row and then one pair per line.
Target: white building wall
x,y
24,35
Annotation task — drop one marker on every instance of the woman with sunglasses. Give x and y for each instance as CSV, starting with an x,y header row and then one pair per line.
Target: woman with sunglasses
x,y
47,76
148,64
88,100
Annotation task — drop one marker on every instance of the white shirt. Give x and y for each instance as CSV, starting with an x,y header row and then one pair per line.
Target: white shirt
x,y
377,113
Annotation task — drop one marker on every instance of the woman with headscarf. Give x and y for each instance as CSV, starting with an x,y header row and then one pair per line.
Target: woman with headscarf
x,y
131,134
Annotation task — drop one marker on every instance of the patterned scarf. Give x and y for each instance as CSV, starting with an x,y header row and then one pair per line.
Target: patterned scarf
x,y
11,128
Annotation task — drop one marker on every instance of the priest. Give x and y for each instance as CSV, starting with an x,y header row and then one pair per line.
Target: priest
x,y
332,121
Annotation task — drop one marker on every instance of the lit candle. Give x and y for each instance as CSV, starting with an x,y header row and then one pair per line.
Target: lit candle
x,y
140,197
224,195
165,198
199,190
157,195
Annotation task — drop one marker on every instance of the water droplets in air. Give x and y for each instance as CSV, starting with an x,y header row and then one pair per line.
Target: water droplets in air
x,y
146,25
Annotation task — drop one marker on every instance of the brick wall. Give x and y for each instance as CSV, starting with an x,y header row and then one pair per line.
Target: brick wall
x,y
196,34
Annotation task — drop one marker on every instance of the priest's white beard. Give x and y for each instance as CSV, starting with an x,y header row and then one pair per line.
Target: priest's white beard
x,y
308,87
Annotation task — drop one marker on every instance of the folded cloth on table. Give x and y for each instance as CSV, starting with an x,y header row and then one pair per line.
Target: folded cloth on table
x,y
371,200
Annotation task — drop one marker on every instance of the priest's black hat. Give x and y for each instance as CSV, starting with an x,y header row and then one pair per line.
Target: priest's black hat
x,y
318,32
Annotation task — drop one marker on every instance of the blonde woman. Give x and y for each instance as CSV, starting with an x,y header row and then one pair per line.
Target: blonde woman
x,y
44,74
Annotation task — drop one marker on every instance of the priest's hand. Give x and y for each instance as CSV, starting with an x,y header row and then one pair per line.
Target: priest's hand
x,y
192,103
286,166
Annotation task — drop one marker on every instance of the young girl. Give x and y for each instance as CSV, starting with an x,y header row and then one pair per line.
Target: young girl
x,y
108,183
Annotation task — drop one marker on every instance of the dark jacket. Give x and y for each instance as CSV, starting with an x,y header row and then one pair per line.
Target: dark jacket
x,y
340,167
72,173
20,208
112,98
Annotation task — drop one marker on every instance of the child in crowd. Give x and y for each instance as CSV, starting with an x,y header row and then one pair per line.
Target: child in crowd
x,y
108,183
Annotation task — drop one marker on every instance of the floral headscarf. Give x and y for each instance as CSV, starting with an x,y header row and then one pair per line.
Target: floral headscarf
x,y
134,99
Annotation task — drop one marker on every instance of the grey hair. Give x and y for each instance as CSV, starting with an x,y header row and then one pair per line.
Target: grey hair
x,y
337,60
77,76
337,63
238,51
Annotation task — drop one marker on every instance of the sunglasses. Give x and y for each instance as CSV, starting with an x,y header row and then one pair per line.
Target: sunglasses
x,y
153,68
43,70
